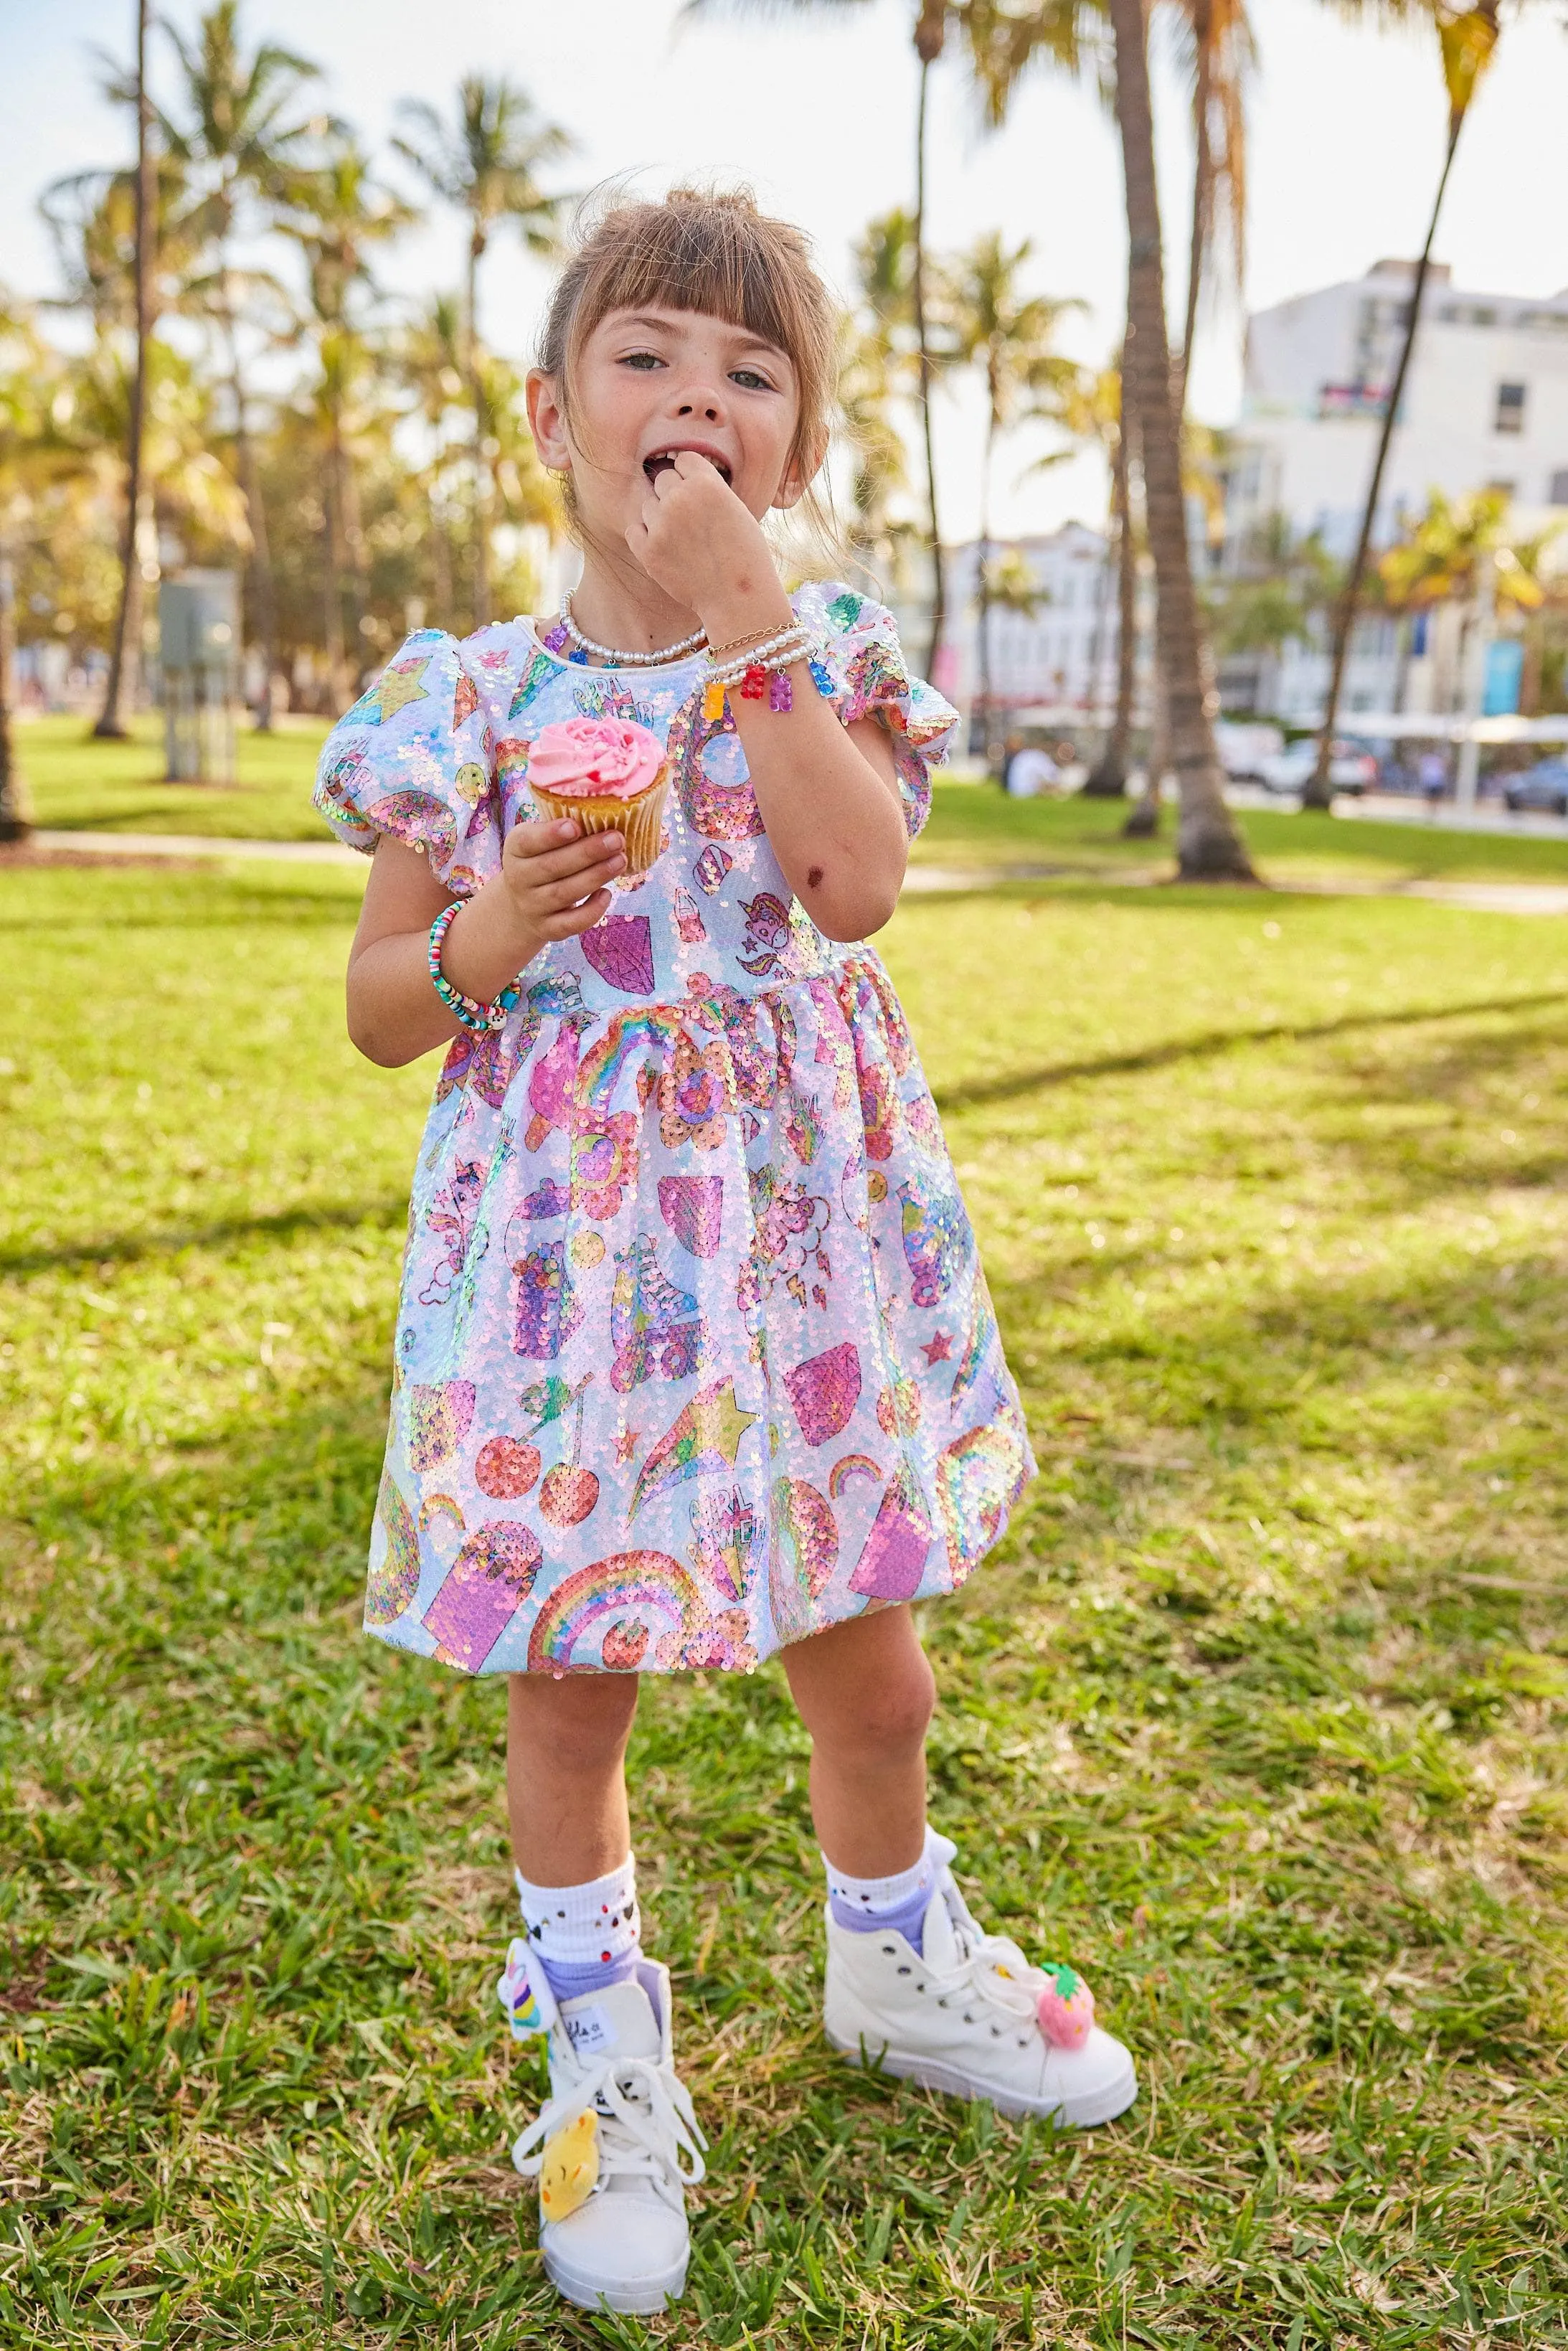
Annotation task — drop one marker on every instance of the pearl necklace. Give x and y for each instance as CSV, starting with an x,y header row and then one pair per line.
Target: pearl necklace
x,y
614,655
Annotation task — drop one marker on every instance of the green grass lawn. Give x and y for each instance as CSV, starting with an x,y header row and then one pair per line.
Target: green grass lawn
x,y
974,825
1259,1713
78,784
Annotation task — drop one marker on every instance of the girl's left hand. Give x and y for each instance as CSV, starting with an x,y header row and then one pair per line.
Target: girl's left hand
x,y
704,548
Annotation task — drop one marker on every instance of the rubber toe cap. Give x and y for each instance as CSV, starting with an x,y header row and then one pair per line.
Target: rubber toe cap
x,y
616,2244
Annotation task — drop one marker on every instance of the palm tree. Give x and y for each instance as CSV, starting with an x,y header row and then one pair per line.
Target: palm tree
x,y
930,35
335,212
486,166
877,371
1468,37
26,429
1094,412
237,140
125,656
1010,336
1218,40
1208,846
429,361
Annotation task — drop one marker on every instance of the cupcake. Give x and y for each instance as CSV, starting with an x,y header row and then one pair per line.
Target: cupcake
x,y
606,774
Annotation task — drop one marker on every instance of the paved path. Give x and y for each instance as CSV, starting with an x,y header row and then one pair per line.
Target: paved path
x,y
1486,897
192,844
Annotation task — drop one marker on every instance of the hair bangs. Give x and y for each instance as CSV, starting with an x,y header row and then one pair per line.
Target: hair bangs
x,y
714,252
699,257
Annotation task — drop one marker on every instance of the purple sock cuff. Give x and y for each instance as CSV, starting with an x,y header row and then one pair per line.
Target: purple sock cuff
x,y
907,1921
572,1979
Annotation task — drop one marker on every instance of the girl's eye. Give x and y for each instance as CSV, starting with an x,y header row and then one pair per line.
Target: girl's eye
x,y
643,360
749,380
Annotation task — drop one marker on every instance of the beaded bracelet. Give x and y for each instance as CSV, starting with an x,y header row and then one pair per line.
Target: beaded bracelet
x,y
765,669
481,1018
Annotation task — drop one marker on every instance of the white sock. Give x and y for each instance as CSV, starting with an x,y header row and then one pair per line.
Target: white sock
x,y
588,1936
901,1901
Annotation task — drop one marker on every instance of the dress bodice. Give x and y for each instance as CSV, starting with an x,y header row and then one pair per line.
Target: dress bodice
x,y
435,754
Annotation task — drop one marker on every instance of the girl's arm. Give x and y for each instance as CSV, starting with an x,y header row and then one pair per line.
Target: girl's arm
x,y
550,886
828,794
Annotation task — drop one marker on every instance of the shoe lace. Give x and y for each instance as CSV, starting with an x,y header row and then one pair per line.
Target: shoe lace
x,y
647,2124
992,1967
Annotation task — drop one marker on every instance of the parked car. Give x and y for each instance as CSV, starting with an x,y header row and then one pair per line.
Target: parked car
x,y
1542,786
1351,770
1243,745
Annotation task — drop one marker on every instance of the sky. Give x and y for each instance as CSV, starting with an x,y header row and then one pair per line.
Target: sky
x,y
1347,134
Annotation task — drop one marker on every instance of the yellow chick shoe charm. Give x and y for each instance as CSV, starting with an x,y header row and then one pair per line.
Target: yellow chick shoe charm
x,y
614,2151
568,2170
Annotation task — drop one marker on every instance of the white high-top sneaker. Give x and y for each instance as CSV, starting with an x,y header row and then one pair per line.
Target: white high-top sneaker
x,y
617,2143
969,2014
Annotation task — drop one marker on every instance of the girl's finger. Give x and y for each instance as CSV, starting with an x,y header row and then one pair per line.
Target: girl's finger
x,y
569,892
577,919
589,856
537,835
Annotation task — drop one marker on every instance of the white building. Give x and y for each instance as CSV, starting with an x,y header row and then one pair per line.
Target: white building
x,y
1062,655
1485,406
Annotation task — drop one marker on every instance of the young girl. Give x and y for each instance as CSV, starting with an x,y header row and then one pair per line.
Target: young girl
x,y
695,1359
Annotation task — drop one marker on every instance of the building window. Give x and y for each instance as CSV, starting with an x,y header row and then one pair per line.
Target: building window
x,y
1509,416
1557,489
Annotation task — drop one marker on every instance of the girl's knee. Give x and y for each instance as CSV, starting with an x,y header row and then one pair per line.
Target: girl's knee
x,y
579,1724
888,1714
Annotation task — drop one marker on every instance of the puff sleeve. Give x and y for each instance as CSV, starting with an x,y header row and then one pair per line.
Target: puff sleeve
x,y
865,662
414,759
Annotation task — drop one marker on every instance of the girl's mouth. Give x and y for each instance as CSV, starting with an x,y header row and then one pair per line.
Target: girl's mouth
x,y
662,462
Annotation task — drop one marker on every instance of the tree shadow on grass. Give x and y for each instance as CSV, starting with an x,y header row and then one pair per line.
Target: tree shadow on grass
x,y
131,1248
1011,1086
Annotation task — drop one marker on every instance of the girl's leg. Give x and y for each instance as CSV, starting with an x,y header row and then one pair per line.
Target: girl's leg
x,y
565,1779
566,1793
865,1693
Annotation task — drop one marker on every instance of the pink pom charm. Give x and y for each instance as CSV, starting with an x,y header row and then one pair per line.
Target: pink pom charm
x,y
1066,2009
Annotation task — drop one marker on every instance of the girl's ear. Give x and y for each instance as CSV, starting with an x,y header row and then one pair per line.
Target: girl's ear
x,y
799,476
547,422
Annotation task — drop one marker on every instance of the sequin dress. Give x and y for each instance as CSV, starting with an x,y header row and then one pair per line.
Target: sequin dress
x,y
695,1354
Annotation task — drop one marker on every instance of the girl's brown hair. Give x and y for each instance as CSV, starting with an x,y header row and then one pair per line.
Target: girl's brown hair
x,y
714,252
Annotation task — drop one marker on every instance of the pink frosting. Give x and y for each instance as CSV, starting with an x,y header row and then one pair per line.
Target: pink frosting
x,y
595,758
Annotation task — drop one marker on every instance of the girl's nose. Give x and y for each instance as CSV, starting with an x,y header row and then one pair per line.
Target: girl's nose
x,y
701,404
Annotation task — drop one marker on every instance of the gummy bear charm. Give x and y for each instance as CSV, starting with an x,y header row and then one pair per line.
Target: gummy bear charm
x,y
569,2167
524,1992
713,701
1066,2009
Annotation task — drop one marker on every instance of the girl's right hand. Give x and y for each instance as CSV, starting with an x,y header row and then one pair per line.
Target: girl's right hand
x,y
557,878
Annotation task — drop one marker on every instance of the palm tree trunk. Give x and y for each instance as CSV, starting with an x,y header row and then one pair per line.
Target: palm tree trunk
x,y
440,557
1208,847
358,579
333,581
1108,777
1319,793
481,464
983,599
1202,192
125,656
14,824
263,585
922,340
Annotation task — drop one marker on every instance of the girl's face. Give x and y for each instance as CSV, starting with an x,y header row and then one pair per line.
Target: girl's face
x,y
648,382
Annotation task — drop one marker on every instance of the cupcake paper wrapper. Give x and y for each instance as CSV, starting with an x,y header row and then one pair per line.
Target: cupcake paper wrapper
x,y
640,822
